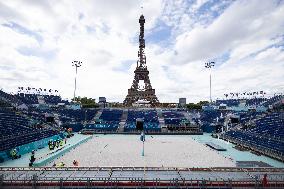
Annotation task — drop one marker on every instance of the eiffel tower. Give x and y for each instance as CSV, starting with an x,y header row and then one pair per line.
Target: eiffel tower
x,y
141,72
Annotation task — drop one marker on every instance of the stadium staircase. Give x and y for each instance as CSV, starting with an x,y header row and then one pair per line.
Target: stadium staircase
x,y
252,122
98,115
160,117
186,115
123,121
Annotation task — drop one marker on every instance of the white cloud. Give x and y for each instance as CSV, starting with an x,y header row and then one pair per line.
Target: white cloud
x,y
241,24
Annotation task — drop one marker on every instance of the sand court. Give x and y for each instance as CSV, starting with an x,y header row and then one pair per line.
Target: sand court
x,y
160,150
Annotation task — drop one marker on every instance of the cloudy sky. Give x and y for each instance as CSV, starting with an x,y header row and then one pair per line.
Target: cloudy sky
x,y
40,38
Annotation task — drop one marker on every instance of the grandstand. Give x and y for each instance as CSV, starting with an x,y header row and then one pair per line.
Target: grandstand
x,y
255,101
228,102
111,118
31,99
28,98
9,98
18,132
271,125
208,118
264,135
172,117
108,121
150,118
53,99
246,117
76,115
256,132
274,100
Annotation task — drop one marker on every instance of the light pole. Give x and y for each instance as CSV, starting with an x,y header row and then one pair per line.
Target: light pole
x,y
77,64
210,65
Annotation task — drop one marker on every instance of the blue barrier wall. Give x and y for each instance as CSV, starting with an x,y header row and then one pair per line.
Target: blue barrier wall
x,y
27,148
76,127
59,153
207,128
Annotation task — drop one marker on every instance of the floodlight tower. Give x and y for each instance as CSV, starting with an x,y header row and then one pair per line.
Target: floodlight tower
x,y
210,65
77,64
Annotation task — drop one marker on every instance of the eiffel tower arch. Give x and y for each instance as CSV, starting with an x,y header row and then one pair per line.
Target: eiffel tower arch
x,y
141,72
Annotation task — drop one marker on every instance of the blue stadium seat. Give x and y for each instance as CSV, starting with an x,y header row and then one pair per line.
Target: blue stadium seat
x,y
15,130
150,117
267,134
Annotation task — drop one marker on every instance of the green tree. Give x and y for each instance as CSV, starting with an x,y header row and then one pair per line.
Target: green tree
x,y
197,106
193,106
87,102
202,103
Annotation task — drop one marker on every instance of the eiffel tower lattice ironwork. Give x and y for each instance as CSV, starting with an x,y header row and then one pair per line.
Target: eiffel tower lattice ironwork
x,y
136,92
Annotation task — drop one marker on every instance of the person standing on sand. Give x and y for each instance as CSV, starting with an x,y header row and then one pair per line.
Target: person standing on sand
x,y
75,163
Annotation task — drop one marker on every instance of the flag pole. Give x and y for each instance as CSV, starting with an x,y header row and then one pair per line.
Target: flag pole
x,y
143,140
143,149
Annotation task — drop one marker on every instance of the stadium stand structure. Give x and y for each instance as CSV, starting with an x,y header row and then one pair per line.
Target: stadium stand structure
x,y
173,117
53,99
228,102
36,114
246,117
9,98
257,131
255,101
124,121
28,98
271,125
178,122
31,99
275,99
76,115
263,134
109,120
208,120
150,118
16,130
75,119
68,118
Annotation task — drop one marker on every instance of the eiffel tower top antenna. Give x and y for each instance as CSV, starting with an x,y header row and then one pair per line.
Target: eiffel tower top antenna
x,y
141,7
141,53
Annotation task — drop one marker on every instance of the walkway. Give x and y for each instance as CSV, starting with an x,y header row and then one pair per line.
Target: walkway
x,y
141,176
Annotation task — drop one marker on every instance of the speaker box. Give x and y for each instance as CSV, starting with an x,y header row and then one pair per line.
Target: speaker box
x,y
234,120
50,119
139,124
